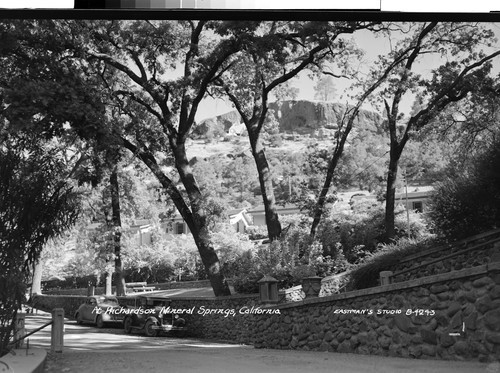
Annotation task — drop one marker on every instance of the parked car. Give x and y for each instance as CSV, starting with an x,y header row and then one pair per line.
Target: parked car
x,y
149,315
100,309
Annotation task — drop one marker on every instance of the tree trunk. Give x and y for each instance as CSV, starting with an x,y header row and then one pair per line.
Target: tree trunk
x,y
266,186
198,223
201,235
116,226
332,165
390,201
108,283
211,263
36,283
195,215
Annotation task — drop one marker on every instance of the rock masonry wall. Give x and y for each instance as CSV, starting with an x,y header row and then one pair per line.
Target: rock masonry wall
x,y
449,316
454,315
454,258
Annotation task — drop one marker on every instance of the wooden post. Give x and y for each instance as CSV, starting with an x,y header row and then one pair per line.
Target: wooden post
x,y
268,290
57,336
385,277
19,329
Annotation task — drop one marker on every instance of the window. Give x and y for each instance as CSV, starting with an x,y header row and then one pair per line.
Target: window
x,y
179,228
418,206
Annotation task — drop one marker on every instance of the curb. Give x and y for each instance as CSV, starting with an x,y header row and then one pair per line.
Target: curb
x,y
25,361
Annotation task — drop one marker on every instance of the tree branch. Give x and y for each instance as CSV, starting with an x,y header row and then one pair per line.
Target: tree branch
x,y
185,126
140,101
444,97
165,181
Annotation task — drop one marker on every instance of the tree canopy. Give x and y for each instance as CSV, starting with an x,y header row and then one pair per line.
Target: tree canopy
x,y
104,90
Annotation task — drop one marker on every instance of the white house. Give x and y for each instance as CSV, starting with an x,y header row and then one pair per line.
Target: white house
x,y
175,225
258,213
239,219
141,231
417,197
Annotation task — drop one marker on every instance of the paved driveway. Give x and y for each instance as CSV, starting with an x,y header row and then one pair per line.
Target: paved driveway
x,y
88,349
81,338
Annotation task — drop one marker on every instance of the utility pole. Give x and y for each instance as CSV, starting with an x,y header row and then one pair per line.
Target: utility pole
x,y
407,210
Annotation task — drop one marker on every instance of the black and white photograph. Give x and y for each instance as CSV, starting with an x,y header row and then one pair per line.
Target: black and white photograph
x,y
197,190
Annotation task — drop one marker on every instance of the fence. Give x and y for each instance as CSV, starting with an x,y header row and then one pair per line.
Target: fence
x,y
57,332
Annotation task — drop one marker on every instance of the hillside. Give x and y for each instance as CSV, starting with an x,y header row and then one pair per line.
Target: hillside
x,y
299,123
301,117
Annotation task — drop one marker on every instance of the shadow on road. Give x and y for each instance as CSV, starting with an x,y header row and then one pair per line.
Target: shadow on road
x,y
112,337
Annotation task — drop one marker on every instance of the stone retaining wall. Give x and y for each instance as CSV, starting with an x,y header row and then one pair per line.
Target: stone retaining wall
x,y
454,315
438,262
422,318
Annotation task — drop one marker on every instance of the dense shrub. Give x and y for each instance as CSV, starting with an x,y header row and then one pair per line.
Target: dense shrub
x,y
257,232
230,247
467,202
359,233
73,282
159,272
343,239
366,274
289,260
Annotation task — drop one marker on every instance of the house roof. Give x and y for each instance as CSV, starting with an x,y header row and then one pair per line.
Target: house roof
x,y
420,190
288,206
233,212
346,196
242,216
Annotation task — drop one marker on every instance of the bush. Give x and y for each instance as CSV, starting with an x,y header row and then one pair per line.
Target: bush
x,y
357,235
230,247
257,232
366,274
289,261
275,141
467,202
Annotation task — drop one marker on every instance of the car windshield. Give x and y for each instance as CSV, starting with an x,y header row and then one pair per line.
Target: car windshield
x,y
109,301
151,302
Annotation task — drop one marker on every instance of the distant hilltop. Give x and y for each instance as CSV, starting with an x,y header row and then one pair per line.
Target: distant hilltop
x,y
316,118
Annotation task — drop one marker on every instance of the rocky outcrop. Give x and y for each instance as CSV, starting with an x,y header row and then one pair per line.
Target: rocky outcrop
x,y
316,118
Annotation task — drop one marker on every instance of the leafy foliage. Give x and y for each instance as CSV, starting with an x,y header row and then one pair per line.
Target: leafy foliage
x,y
35,205
366,274
360,233
467,202
289,260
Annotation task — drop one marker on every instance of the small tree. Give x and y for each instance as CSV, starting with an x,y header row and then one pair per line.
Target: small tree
x,y
450,83
325,89
35,205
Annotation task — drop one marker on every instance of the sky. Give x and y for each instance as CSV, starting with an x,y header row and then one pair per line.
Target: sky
x,y
373,47
367,41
